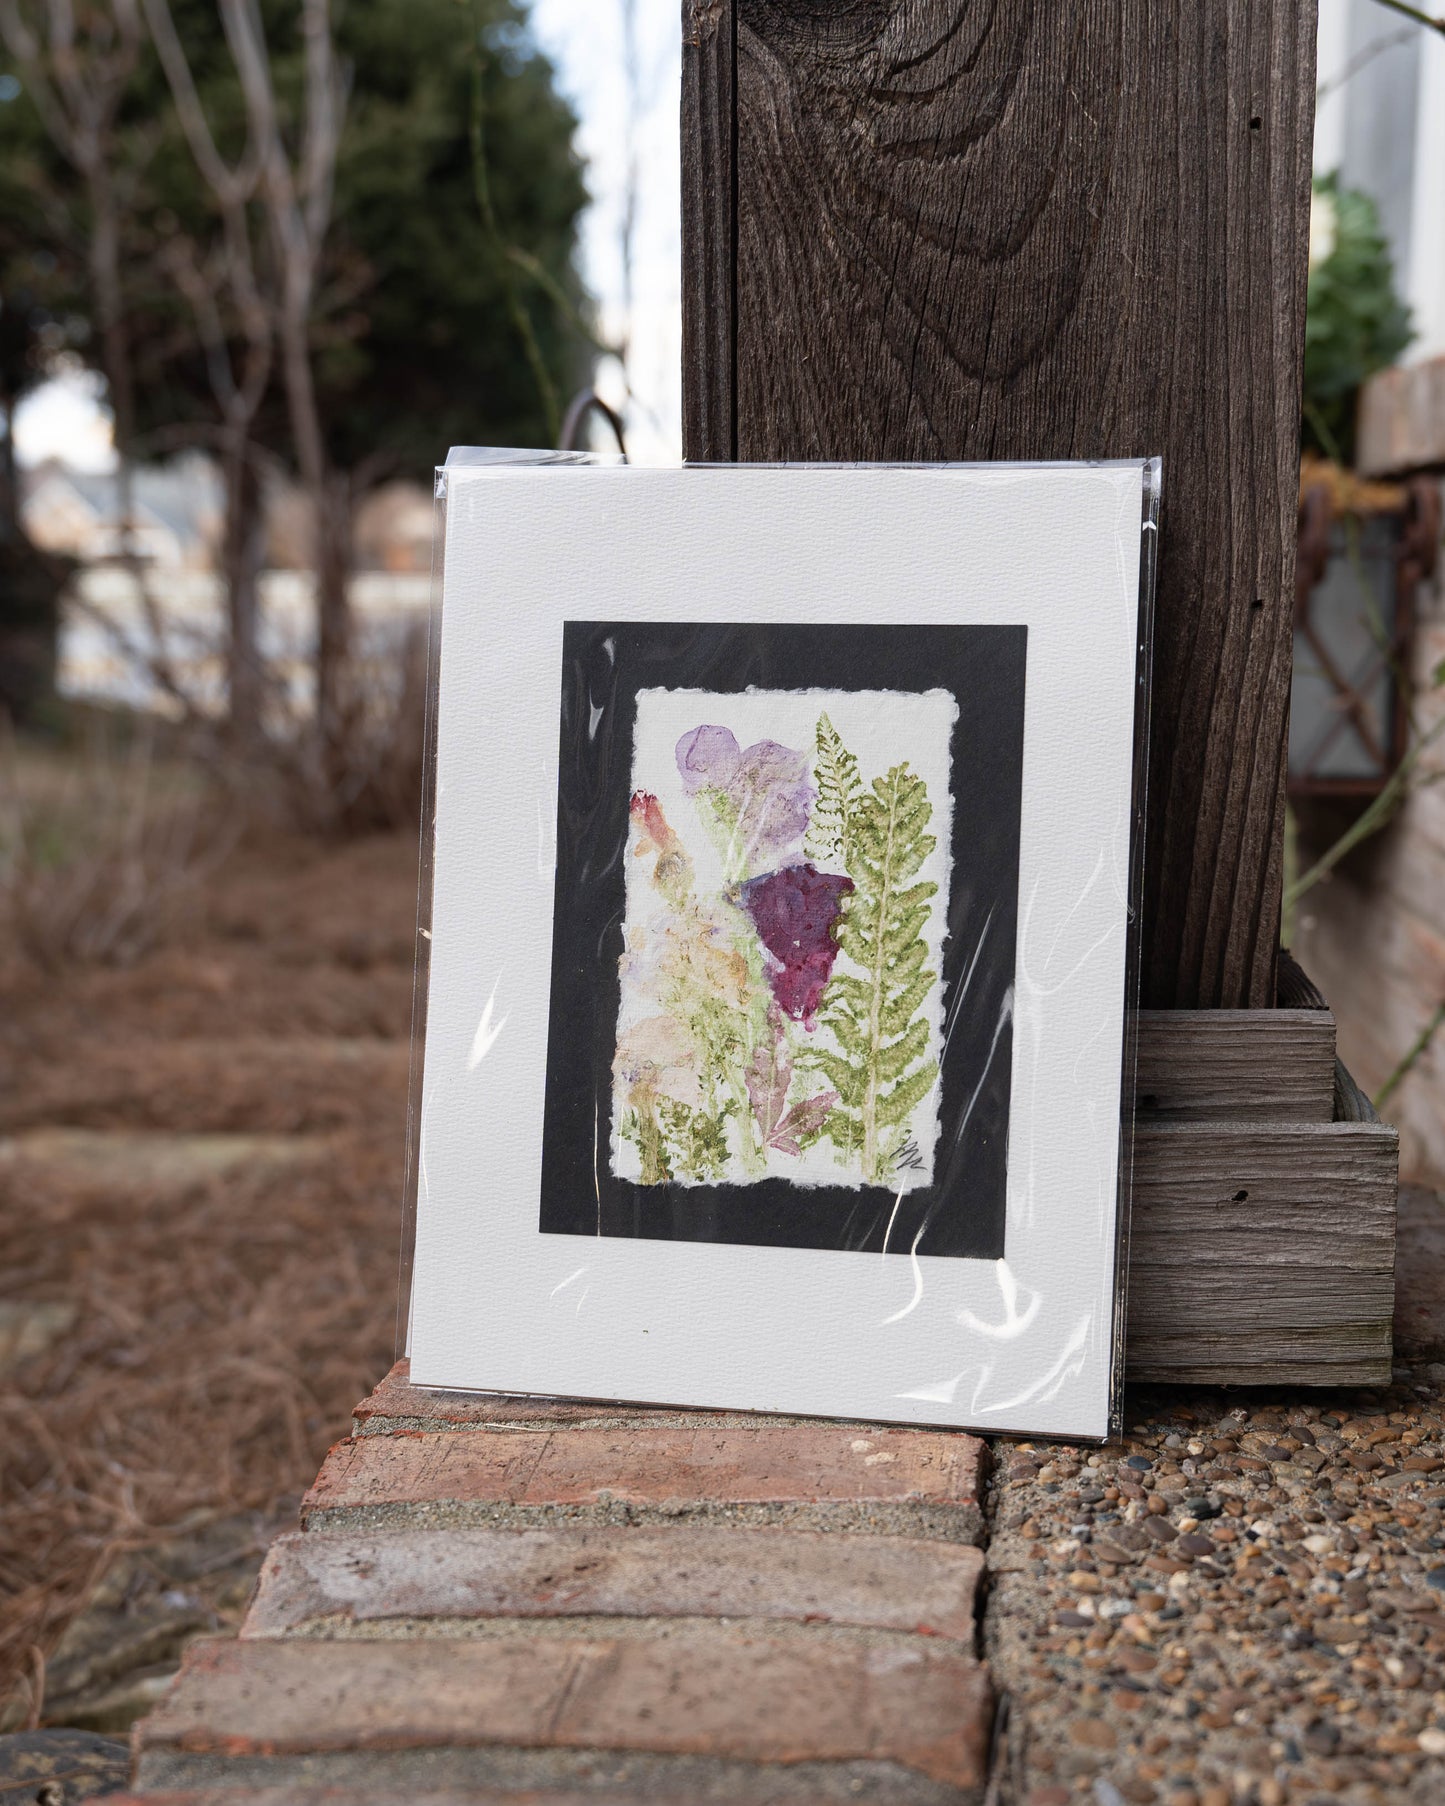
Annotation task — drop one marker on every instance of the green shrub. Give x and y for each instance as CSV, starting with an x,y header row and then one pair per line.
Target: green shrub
x,y
1355,323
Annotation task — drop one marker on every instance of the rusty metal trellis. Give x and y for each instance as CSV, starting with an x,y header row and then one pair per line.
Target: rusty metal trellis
x,y
1360,562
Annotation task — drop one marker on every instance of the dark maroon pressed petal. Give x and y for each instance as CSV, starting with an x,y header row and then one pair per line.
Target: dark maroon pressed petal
x,y
794,912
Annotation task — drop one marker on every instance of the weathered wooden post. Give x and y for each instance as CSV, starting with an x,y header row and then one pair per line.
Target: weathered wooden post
x,y
940,229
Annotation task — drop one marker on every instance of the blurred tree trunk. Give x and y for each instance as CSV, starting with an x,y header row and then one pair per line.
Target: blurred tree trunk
x,y
30,585
333,641
238,373
297,197
242,556
10,527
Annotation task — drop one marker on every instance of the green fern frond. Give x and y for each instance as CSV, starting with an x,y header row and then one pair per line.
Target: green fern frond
x,y
837,773
877,1014
895,1057
845,1131
898,1012
894,1106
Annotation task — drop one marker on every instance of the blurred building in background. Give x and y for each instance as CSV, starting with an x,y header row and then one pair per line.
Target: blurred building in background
x,y
177,514
1380,122
1372,931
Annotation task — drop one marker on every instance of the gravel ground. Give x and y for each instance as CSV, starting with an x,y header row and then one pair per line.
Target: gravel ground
x,y
1242,1603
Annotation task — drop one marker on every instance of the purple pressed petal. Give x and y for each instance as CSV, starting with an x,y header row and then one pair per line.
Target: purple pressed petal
x,y
707,759
773,793
794,912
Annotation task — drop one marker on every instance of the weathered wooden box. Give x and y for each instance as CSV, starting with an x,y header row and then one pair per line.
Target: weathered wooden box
x,y
1262,1243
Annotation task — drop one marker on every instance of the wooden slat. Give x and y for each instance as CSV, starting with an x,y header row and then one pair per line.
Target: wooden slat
x,y
1262,1253
1236,1065
974,232
708,353
1402,421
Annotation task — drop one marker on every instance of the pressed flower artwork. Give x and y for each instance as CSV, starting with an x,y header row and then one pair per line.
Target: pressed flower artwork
x,y
781,903
780,1009
787,873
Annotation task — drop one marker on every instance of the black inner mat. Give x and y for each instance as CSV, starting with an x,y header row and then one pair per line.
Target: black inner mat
x,y
604,665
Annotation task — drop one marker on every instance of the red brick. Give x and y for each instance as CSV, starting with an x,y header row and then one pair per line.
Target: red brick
x,y
396,1399
646,1465
698,1691
686,1570
322,1795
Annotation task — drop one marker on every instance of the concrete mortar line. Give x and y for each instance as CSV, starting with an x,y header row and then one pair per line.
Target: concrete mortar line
x,y
609,1774
952,1523
651,1627
624,1418
612,1425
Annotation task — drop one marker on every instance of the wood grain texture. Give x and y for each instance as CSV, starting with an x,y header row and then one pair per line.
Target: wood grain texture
x,y
1236,1065
1262,1253
708,236
972,231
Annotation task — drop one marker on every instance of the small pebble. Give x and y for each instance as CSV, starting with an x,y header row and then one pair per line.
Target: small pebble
x,y
1258,1632
1321,1739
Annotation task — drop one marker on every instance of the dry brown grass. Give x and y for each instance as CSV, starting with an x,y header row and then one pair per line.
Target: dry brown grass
x,y
222,1339
223,1333
102,854
369,779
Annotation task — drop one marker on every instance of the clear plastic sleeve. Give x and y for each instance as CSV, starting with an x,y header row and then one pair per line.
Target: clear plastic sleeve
x,y
777,937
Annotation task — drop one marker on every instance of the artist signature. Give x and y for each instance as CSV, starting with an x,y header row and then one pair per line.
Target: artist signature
x,y
909,1157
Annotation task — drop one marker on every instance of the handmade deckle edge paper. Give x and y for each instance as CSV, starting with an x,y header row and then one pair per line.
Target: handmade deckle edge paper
x,y
784,842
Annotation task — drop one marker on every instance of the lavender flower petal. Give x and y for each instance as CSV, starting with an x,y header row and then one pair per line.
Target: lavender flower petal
x,y
773,794
707,759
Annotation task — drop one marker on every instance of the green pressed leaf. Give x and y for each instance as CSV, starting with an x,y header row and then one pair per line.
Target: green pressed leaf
x,y
853,991
905,964
642,1128
915,894
696,1140
844,1076
845,1131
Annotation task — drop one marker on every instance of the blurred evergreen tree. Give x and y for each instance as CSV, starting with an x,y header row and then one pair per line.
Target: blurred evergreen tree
x,y
38,323
414,346
433,320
